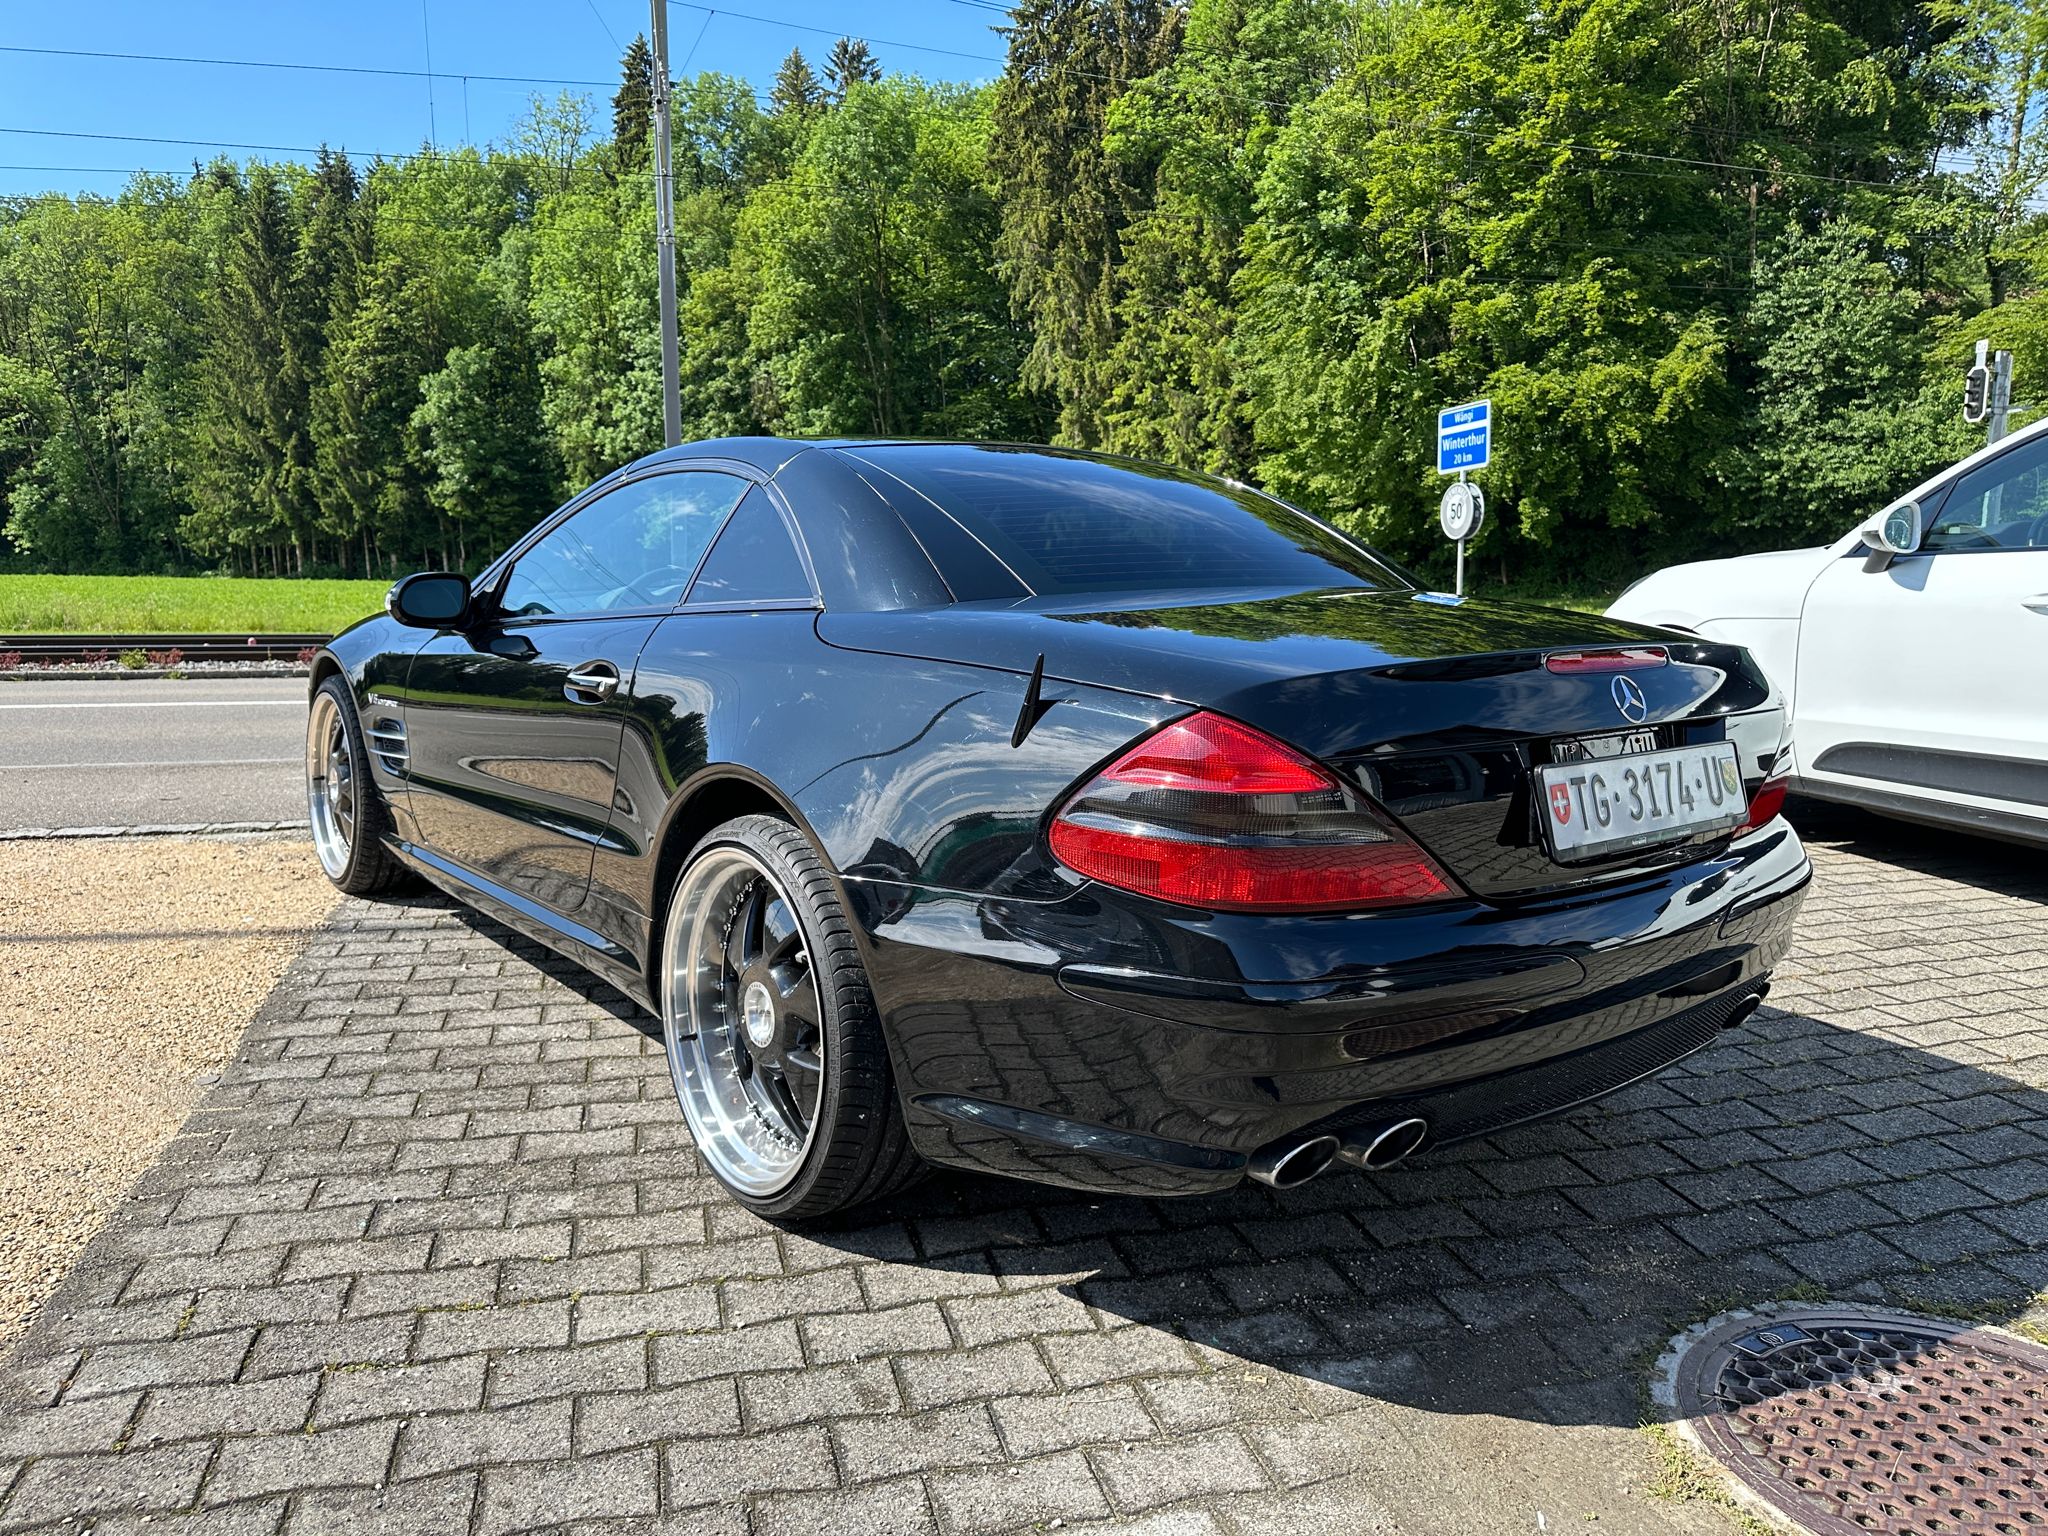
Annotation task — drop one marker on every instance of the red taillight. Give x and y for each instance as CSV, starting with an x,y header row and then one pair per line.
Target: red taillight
x,y
1210,813
1208,752
1621,658
1767,802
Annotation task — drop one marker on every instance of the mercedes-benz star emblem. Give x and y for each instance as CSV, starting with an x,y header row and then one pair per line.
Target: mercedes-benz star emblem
x,y
1628,698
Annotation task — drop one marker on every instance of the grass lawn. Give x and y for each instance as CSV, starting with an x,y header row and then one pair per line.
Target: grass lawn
x,y
1582,602
1579,599
182,605
238,605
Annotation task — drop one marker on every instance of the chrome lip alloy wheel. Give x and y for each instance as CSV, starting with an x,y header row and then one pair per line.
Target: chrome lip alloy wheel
x,y
742,1021
330,785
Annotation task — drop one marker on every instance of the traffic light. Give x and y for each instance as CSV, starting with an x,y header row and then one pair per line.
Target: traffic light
x,y
1977,394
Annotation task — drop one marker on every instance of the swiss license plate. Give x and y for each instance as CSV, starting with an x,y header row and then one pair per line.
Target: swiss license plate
x,y
1613,803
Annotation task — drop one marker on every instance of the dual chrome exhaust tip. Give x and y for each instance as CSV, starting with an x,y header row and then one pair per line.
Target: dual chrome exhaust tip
x,y
1381,1146
1291,1162
1746,1009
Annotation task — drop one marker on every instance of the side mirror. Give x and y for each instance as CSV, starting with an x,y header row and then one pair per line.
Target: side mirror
x,y
1896,532
430,600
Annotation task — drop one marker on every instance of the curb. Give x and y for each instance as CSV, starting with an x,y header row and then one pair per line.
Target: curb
x,y
188,829
196,672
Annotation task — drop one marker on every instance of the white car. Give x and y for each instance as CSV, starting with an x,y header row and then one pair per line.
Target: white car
x,y
1912,652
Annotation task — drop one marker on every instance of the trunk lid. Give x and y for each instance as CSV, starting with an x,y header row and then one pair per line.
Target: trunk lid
x,y
1442,709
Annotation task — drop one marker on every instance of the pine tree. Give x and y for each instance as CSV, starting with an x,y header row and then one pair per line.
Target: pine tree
x,y
321,268
328,201
850,64
795,106
256,472
797,92
1066,199
1197,134
480,424
362,400
633,106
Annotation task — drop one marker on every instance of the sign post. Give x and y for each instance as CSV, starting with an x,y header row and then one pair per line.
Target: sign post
x,y
1464,442
1461,513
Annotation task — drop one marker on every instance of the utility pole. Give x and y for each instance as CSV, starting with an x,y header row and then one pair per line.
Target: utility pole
x,y
2001,393
665,232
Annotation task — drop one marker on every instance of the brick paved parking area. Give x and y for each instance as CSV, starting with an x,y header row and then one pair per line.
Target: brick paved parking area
x,y
435,1256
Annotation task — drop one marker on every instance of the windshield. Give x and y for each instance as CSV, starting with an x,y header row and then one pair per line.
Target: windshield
x,y
1060,524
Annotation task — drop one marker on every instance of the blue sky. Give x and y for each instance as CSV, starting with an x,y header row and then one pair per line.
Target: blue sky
x,y
572,39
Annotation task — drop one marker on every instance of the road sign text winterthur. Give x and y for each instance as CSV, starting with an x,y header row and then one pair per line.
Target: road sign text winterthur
x,y
1464,437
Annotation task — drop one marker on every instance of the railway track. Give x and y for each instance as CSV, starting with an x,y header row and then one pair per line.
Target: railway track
x,y
54,650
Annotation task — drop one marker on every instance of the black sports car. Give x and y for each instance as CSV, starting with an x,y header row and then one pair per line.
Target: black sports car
x,y
1062,816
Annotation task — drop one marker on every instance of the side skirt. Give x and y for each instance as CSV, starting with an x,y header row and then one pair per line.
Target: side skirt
x,y
586,946
2006,826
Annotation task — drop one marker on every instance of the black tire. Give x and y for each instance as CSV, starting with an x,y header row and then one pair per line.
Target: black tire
x,y
860,1148
370,867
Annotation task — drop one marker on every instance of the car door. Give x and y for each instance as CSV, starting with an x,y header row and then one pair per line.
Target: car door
x,y
514,723
1929,677
735,662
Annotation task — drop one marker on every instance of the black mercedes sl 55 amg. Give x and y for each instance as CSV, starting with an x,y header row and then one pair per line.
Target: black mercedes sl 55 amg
x,y
1063,817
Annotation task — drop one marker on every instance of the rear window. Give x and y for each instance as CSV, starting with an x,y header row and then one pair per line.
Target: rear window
x,y
1059,525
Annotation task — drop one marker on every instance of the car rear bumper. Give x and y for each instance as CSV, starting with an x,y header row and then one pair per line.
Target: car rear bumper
x,y
1105,1042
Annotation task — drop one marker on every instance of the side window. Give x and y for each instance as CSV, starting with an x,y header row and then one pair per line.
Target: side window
x,y
2001,504
753,560
634,547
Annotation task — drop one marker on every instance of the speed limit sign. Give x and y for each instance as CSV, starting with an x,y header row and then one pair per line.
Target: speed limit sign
x,y
1462,510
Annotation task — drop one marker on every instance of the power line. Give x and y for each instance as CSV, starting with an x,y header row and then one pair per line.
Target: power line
x,y
835,32
427,36
594,11
328,69
1567,146
1474,135
282,149
1471,135
683,68
1605,152
1679,164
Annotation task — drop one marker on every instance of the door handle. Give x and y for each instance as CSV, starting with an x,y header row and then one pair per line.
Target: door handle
x,y
591,684
2036,604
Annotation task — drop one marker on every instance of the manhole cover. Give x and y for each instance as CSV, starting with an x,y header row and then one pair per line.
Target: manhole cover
x,y
1850,1421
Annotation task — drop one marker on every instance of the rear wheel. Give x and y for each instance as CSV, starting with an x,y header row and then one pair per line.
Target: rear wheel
x,y
350,822
773,1043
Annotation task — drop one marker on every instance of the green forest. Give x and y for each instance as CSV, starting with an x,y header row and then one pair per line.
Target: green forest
x,y
1719,264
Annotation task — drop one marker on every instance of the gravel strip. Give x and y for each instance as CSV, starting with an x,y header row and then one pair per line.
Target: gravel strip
x,y
128,970
187,829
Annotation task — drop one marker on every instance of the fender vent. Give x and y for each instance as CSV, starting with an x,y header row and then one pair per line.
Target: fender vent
x,y
387,743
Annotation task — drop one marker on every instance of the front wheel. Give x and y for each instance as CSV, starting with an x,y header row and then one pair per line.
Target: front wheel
x,y
773,1042
348,817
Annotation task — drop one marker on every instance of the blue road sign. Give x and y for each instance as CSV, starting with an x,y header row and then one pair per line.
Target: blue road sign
x,y
1464,437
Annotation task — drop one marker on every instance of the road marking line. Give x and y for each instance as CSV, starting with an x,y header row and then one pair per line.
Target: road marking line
x,y
190,762
166,704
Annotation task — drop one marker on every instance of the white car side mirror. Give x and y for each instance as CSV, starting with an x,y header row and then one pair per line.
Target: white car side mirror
x,y
1896,531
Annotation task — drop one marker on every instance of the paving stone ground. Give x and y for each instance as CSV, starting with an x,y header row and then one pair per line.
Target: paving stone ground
x,y
436,1256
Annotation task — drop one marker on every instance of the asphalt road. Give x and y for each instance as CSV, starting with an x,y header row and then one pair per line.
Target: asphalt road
x,y
152,752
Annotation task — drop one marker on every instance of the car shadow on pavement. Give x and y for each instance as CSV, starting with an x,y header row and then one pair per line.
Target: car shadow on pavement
x,y
1879,1132
2006,869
